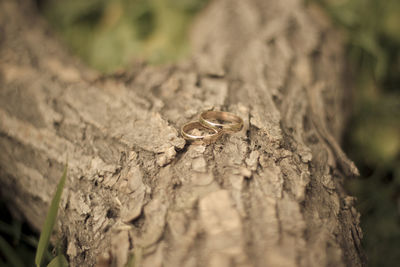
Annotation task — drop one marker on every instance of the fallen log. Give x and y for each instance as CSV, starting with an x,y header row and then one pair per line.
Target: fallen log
x,y
270,195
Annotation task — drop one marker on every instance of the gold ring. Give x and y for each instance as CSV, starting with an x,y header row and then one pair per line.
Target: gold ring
x,y
232,123
206,139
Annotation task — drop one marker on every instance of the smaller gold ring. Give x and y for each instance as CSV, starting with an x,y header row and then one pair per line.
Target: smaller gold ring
x,y
206,139
234,123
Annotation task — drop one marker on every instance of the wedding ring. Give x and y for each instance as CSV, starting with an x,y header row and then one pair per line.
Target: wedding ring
x,y
221,121
206,139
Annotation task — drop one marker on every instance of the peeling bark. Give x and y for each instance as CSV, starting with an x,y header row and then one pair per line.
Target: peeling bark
x,y
270,195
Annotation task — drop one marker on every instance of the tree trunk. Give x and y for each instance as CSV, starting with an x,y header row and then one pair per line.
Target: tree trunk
x,y
270,195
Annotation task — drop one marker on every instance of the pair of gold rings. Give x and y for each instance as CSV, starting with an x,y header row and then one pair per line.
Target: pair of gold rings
x,y
215,122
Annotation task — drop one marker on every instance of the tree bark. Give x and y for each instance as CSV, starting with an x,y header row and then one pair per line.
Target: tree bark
x,y
270,195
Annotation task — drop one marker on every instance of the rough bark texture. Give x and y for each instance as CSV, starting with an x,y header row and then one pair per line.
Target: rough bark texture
x,y
270,195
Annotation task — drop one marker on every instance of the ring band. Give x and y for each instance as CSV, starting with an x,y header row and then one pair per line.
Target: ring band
x,y
234,123
207,139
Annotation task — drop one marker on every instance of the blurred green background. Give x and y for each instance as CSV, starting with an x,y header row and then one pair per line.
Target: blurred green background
x,y
110,34
372,28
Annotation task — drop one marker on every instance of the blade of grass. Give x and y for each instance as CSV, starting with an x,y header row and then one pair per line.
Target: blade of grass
x,y
135,257
58,261
9,254
131,261
50,220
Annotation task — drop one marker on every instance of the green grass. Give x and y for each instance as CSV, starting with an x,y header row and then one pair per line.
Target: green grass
x,y
18,242
58,261
49,224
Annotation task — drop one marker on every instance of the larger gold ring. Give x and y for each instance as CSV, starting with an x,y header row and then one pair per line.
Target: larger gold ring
x,y
206,139
221,121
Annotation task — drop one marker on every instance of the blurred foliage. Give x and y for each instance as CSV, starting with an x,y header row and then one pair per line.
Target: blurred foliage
x,y
109,34
17,241
372,28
